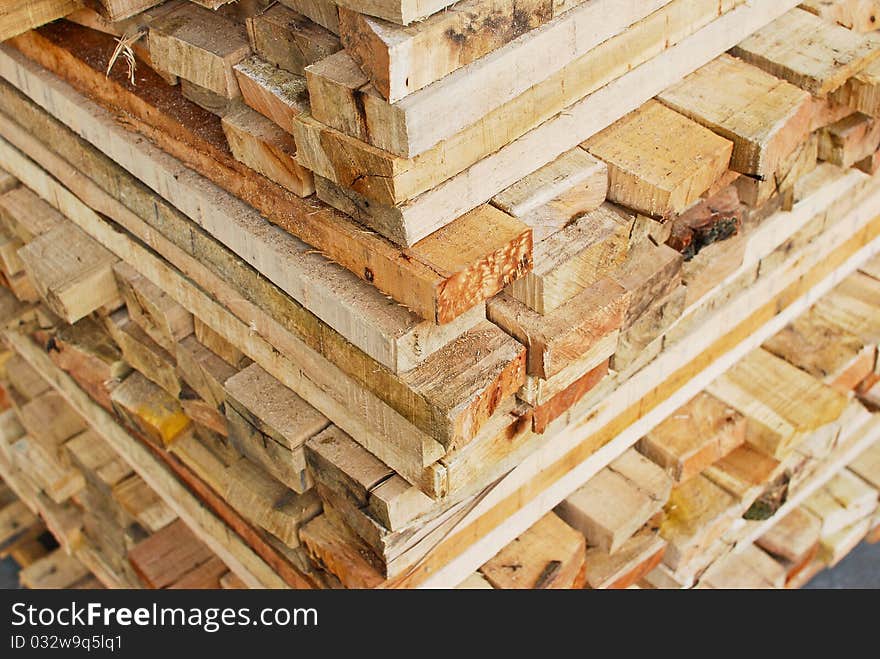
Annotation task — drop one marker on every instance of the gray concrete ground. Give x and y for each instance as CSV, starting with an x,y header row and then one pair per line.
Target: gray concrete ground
x,y
861,569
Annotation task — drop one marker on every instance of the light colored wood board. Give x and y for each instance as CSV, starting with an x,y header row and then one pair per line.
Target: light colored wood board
x,y
25,216
545,414
237,554
833,548
402,12
263,146
17,16
150,410
640,342
636,557
694,436
322,12
50,422
548,199
842,501
825,351
54,571
766,118
270,356
401,60
288,39
165,321
651,273
611,506
849,140
203,370
861,92
118,10
341,553
867,466
200,46
772,394
141,502
283,464
268,503
24,379
808,51
144,354
799,163
851,306
858,251
751,568
59,482
748,474
410,126
683,159
858,15
550,555
559,338
100,463
338,78
537,391
277,94
793,537
72,272
572,259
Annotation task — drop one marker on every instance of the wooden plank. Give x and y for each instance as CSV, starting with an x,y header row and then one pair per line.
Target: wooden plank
x,y
17,16
682,163
145,355
73,273
162,477
861,92
826,351
752,568
289,40
617,501
338,78
203,370
56,570
844,500
100,463
322,12
437,284
793,537
25,216
338,551
118,10
574,258
401,60
165,321
50,422
150,410
402,12
765,118
268,503
263,146
808,51
632,561
410,126
867,466
276,94
59,482
335,385
141,502
833,548
772,394
88,353
557,339
858,15
200,46
694,436
550,555
168,555
849,140
559,192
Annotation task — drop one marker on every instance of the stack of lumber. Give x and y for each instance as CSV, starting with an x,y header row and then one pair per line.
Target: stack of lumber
x,y
399,294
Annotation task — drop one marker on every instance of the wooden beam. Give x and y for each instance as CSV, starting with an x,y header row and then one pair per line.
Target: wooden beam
x,y
18,16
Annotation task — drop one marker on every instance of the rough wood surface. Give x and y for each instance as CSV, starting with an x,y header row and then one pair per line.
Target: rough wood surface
x,y
808,51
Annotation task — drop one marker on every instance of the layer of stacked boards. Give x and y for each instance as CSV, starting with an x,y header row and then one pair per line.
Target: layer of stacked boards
x,y
363,299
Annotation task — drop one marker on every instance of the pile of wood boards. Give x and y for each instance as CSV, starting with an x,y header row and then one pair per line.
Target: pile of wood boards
x,y
400,294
